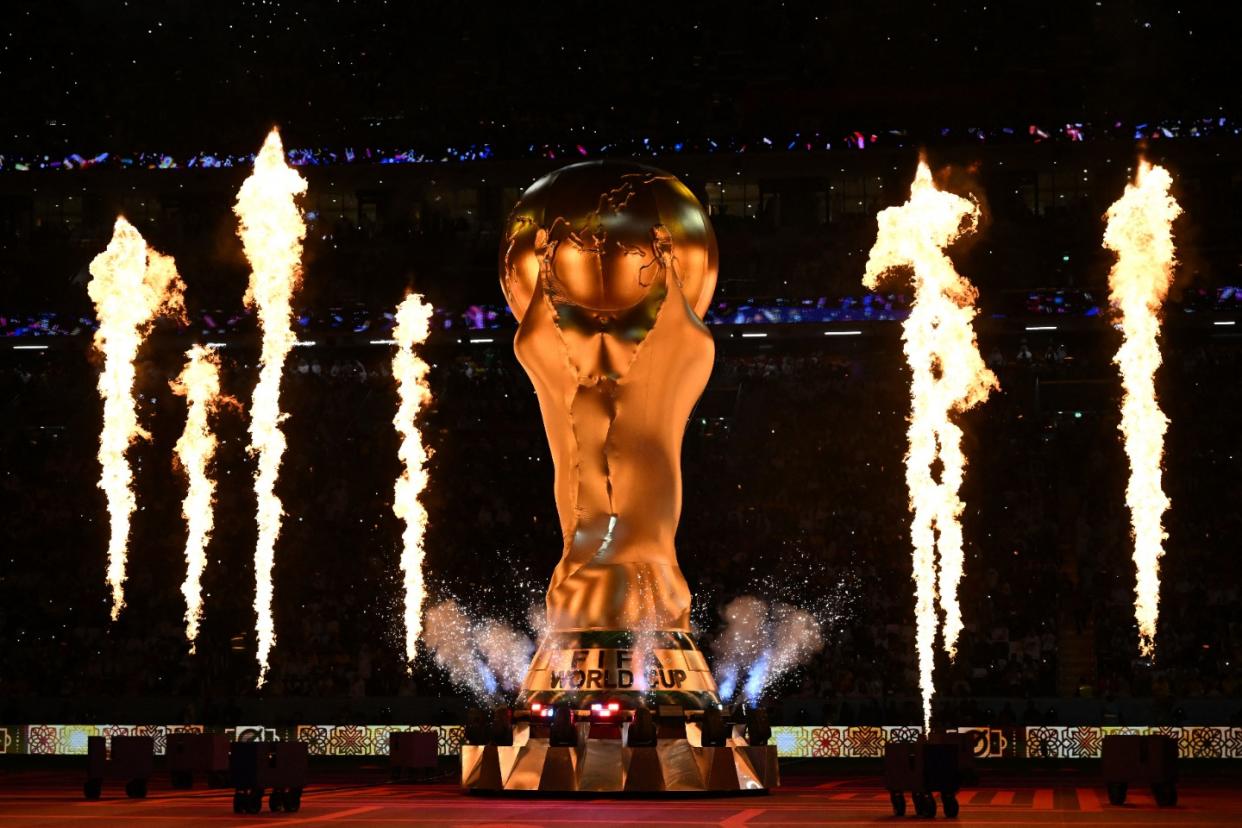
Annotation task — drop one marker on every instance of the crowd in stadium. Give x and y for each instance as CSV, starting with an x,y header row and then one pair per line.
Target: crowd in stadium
x,y
811,141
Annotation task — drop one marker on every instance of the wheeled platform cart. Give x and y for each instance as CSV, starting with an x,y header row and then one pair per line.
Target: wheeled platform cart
x,y
257,767
132,759
198,753
1140,760
412,752
922,770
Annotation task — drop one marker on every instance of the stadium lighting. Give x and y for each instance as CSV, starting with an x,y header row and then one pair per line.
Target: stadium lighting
x,y
1040,328
41,347
753,335
1224,323
842,333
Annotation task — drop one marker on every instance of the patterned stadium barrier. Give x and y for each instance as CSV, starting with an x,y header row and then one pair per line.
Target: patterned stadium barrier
x,y
370,740
847,742
1037,742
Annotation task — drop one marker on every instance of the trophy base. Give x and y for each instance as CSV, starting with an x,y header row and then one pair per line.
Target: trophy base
x,y
605,766
582,668
590,694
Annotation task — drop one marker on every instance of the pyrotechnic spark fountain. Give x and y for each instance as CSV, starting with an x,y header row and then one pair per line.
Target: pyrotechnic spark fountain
x,y
199,383
1140,231
506,651
742,640
948,375
410,371
795,637
130,284
271,230
537,619
487,657
763,643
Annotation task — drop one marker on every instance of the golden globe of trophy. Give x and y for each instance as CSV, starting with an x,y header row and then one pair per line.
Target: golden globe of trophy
x,y
608,268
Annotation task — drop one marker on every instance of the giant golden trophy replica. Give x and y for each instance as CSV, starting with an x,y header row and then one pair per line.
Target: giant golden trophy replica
x,y
608,268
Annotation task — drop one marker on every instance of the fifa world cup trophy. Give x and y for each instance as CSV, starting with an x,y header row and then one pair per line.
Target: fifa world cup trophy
x,y
609,268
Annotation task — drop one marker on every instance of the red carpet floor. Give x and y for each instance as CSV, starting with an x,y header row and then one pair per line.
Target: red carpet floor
x,y
361,796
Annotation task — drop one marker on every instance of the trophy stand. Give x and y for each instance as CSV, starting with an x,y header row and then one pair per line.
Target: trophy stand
x,y
591,719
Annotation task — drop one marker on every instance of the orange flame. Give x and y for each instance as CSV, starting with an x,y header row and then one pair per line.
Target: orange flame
x,y
199,383
948,375
271,230
1140,231
410,371
130,285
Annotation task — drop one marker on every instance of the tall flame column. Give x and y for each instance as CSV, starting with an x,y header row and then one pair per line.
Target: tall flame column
x,y
271,229
948,374
130,285
609,268
410,372
1140,231
199,383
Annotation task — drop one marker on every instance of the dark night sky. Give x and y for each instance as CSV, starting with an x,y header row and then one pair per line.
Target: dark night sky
x,y
181,74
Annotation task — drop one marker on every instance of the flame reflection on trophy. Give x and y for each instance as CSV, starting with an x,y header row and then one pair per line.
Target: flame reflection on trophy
x,y
609,268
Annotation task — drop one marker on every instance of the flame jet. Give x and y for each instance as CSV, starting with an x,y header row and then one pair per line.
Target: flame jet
x,y
948,375
130,285
271,230
199,383
1140,232
410,371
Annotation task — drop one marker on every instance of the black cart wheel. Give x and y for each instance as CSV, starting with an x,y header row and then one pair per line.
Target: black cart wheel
x,y
239,803
899,802
1117,793
1165,794
254,801
293,801
276,800
136,788
925,805
949,801
92,789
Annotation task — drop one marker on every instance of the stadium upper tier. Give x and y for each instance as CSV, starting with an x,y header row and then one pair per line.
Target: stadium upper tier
x,y
1036,310
639,147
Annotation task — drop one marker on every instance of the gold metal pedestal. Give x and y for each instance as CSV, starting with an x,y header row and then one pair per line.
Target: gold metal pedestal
x,y
605,766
